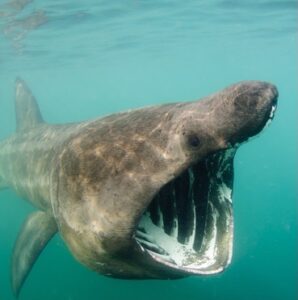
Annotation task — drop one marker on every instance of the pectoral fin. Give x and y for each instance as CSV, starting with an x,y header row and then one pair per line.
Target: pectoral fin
x,y
36,232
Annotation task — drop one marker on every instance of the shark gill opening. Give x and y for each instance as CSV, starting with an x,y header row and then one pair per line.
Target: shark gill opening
x,y
189,224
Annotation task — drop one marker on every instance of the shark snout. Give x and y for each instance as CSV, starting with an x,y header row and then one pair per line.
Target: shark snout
x,y
270,91
271,99
268,95
253,98
246,108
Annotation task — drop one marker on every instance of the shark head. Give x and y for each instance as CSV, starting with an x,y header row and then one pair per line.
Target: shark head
x,y
148,193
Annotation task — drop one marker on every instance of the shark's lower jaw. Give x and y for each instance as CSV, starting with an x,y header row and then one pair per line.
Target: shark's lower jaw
x,y
188,226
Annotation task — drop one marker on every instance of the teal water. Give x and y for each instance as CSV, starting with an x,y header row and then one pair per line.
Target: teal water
x,y
84,59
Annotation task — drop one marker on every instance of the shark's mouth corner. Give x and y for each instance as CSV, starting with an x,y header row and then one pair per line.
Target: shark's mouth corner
x,y
188,225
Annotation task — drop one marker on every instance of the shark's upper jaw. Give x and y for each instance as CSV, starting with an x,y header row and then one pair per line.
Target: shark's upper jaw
x,y
188,226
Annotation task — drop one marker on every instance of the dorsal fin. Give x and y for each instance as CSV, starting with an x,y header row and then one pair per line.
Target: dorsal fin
x,y
27,110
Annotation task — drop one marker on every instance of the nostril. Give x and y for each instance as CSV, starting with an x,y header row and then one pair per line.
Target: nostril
x,y
194,141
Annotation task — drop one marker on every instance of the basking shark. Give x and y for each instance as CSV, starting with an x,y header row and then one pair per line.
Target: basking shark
x,y
141,194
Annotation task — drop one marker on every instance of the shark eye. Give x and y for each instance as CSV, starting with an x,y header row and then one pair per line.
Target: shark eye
x,y
193,141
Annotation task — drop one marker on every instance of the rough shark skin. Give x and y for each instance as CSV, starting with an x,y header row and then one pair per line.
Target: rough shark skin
x,y
140,194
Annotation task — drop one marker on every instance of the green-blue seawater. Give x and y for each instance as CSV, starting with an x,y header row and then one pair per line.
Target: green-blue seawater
x,y
84,59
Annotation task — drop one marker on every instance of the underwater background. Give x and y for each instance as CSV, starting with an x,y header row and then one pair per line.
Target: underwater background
x,y
84,59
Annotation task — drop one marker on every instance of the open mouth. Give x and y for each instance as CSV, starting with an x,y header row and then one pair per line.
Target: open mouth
x,y
188,225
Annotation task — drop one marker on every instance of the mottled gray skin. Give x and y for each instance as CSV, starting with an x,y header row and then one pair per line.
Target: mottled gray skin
x,y
96,178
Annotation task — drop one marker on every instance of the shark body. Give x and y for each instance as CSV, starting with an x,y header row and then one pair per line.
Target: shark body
x,y
140,194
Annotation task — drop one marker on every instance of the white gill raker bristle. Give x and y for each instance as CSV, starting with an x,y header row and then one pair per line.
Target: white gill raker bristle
x,y
224,193
144,236
148,241
189,242
160,217
230,226
175,250
166,258
174,230
228,154
150,246
209,246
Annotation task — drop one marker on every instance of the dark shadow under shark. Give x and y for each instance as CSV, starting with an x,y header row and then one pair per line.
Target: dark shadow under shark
x,y
140,194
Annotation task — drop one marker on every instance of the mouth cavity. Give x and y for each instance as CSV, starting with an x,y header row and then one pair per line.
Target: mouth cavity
x,y
188,225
